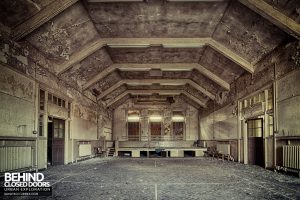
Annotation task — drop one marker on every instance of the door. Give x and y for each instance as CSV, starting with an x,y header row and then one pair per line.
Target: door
x,y
178,130
49,142
155,128
255,142
133,131
56,142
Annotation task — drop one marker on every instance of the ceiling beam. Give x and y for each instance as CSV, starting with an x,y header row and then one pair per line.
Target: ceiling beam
x,y
231,55
122,97
199,102
40,18
160,81
180,43
163,67
274,16
78,56
147,42
160,92
196,0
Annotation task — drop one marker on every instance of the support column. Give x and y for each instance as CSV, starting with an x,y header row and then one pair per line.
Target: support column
x,y
266,128
244,128
239,132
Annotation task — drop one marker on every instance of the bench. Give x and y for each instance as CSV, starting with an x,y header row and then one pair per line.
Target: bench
x,y
219,151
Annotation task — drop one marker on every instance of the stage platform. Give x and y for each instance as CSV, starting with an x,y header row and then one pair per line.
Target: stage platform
x,y
161,152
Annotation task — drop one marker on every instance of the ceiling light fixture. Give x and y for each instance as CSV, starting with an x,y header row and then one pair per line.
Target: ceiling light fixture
x,y
196,0
128,46
133,69
155,118
178,118
176,84
133,118
169,93
193,45
111,1
137,84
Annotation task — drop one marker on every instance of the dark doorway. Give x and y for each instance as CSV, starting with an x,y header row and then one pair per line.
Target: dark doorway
x,y
56,141
189,153
49,143
255,142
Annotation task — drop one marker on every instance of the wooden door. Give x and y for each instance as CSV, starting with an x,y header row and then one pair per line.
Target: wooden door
x,y
58,142
155,130
133,130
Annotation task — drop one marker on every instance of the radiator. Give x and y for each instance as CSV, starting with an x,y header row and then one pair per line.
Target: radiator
x,y
85,150
14,158
223,148
291,156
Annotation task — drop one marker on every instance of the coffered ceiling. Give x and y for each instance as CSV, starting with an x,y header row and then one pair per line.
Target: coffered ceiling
x,y
117,50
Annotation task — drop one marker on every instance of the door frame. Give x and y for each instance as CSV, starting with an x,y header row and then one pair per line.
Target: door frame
x,y
261,118
66,136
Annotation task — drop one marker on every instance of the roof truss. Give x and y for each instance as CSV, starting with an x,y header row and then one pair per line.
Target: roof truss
x,y
162,66
160,92
147,42
274,16
40,18
160,81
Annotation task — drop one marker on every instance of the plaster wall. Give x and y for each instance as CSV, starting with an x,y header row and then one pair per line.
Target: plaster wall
x,y
17,106
219,125
289,105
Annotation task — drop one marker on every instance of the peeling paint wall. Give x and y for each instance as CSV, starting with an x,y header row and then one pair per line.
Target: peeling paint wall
x,y
220,125
63,35
17,106
289,105
13,55
84,123
17,94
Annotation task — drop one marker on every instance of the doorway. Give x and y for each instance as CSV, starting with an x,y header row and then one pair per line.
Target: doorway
x,y
56,141
255,142
155,130
133,130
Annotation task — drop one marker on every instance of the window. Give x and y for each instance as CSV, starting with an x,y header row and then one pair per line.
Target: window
x,y
42,100
260,97
59,128
54,100
49,98
271,128
69,110
57,101
255,127
41,125
63,103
